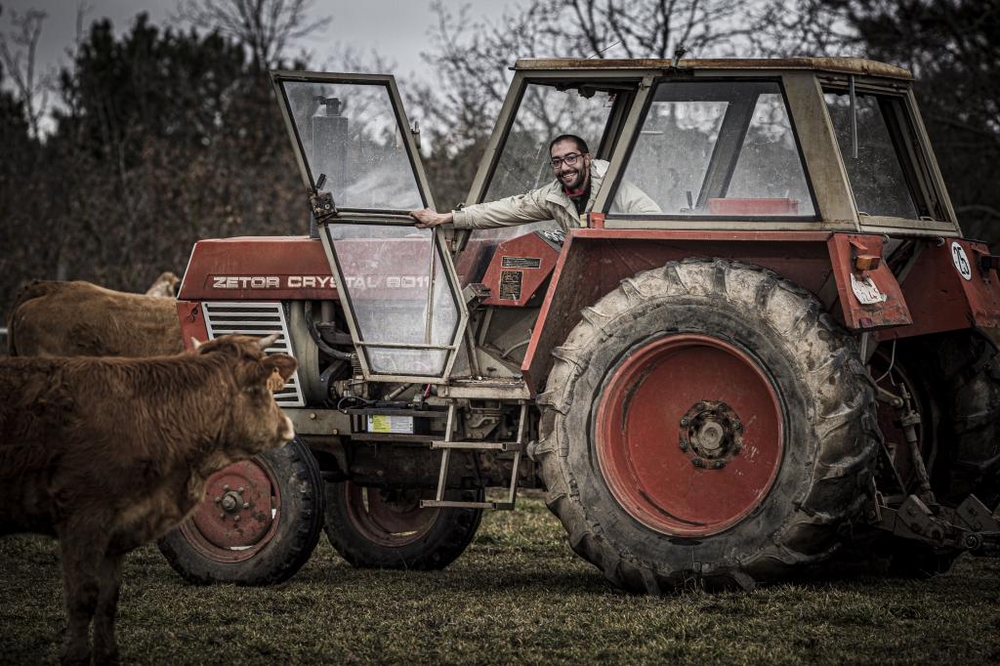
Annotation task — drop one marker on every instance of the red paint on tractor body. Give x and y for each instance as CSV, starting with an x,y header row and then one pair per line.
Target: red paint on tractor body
x,y
594,261
520,270
264,268
942,299
192,323
892,311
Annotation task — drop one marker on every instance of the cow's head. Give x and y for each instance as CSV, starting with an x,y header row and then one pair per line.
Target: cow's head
x,y
255,422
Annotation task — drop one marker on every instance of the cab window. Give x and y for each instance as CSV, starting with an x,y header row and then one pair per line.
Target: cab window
x,y
349,139
718,148
878,170
546,110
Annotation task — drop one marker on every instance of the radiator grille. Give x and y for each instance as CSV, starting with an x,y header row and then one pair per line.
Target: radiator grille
x,y
244,318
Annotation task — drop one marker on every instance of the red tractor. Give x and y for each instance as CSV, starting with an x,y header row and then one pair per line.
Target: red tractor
x,y
795,356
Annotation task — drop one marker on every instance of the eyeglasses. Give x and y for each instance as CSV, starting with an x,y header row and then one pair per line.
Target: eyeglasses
x,y
569,159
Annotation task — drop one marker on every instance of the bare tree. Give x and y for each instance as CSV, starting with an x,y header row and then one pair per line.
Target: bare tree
x,y
802,27
18,50
471,57
265,27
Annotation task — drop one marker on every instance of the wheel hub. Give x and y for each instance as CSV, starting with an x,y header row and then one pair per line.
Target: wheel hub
x,y
711,434
232,501
237,513
715,468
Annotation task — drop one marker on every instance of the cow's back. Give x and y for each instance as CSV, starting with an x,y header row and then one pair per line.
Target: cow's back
x,y
82,319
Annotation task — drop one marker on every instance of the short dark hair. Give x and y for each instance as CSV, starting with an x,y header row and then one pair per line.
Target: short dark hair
x,y
581,145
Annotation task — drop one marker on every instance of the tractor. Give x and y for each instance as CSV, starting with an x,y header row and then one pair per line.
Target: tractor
x,y
793,361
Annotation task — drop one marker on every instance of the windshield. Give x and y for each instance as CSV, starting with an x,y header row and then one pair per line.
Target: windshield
x,y
718,149
348,135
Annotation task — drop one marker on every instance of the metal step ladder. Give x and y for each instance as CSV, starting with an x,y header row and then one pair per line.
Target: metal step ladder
x,y
449,445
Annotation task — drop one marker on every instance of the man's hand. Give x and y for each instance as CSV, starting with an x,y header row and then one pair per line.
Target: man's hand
x,y
427,218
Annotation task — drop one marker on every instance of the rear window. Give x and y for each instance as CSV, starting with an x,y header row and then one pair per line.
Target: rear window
x,y
876,172
713,148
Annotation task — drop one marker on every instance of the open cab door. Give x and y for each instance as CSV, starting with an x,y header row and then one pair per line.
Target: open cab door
x,y
361,166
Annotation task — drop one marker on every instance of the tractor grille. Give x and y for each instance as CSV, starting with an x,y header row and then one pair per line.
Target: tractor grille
x,y
260,319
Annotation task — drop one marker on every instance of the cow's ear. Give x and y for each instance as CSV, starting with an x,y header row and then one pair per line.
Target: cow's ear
x,y
283,364
275,382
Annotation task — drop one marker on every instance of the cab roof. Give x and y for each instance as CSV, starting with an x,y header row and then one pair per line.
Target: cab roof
x,y
859,66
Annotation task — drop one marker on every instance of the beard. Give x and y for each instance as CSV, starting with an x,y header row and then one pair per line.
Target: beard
x,y
571,178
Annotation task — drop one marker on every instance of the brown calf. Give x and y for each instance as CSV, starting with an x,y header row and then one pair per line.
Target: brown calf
x,y
51,318
164,286
107,454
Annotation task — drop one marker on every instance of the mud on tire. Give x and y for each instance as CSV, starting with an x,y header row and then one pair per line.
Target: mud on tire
x,y
288,513
706,339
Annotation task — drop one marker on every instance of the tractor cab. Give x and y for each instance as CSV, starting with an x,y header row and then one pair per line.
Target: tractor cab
x,y
732,146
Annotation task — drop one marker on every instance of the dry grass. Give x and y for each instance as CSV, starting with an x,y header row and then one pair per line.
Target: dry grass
x,y
517,595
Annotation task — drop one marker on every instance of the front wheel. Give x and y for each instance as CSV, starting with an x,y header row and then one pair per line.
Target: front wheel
x,y
387,529
259,522
706,423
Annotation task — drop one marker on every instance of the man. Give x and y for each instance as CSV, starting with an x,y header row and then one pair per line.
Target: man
x,y
578,179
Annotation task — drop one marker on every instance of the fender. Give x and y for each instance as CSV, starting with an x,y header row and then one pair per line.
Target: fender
x,y
594,261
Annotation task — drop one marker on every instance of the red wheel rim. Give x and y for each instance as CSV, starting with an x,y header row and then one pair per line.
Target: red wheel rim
x,y
394,522
240,513
689,435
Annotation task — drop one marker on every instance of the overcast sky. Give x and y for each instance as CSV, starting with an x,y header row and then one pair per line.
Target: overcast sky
x,y
397,29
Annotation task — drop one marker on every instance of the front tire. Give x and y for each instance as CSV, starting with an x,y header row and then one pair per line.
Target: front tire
x,y
380,529
259,522
706,423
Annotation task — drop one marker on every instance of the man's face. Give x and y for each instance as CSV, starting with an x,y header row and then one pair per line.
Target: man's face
x,y
574,167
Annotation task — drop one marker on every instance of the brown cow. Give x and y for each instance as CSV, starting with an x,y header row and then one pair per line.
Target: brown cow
x,y
106,454
165,285
51,318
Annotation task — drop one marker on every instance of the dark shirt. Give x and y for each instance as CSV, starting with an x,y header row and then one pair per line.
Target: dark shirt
x,y
579,198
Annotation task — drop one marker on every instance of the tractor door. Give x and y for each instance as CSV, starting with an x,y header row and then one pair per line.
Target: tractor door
x,y
360,163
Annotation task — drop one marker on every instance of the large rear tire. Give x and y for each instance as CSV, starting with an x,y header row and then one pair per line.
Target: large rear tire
x,y
379,529
706,423
259,522
967,372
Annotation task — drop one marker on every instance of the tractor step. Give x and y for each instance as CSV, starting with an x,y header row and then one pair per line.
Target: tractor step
x,y
479,446
445,504
449,445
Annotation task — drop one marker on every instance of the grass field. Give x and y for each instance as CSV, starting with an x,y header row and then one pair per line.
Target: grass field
x,y
518,595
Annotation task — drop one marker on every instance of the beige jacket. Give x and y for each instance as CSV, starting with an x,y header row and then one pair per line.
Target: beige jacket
x,y
550,203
